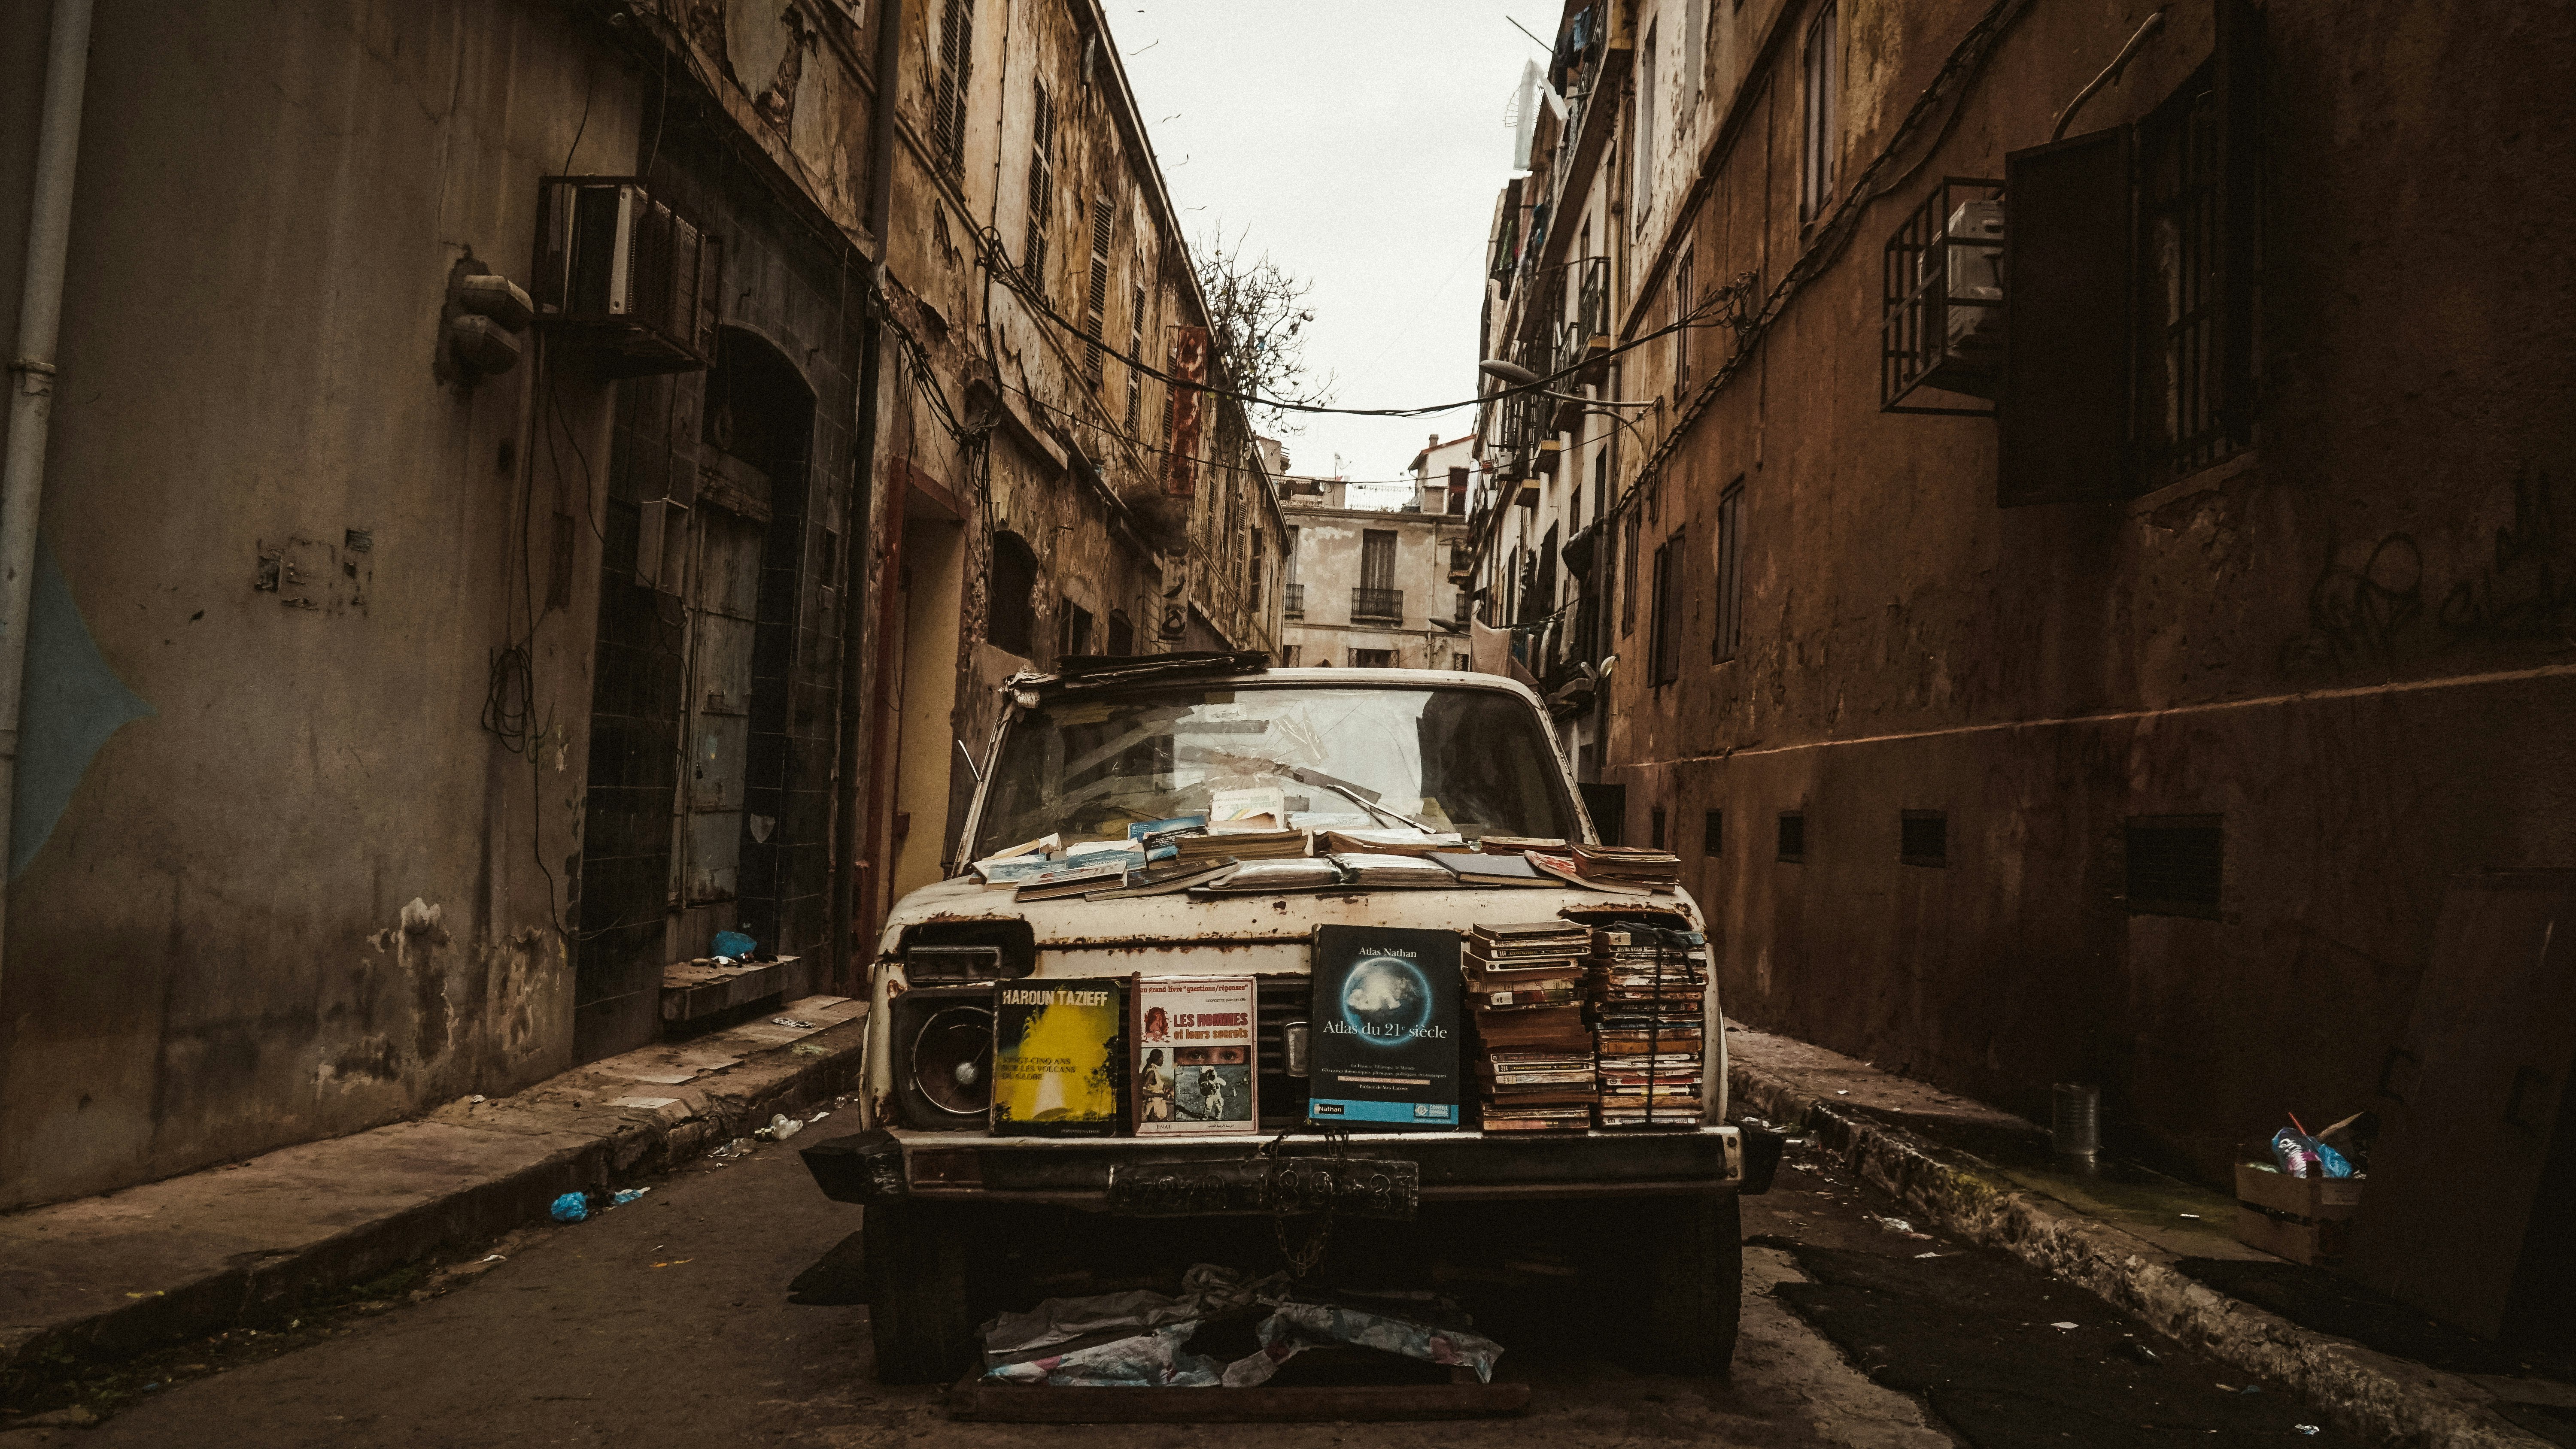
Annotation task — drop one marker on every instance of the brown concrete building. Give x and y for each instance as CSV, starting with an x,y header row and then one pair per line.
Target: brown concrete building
x,y
408,681
2076,601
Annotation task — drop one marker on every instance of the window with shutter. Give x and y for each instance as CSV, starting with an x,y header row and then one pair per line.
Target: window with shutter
x,y
1642,142
1820,120
2062,411
1096,304
1135,348
1666,644
949,101
1730,573
1628,575
1033,252
1377,560
1682,299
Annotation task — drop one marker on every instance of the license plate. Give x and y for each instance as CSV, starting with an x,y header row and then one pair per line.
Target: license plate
x,y
1362,1188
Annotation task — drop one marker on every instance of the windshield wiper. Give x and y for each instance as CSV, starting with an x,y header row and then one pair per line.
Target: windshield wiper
x,y
1344,788
1304,778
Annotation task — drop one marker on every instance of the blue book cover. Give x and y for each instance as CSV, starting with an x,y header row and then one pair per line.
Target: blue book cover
x,y
1384,1047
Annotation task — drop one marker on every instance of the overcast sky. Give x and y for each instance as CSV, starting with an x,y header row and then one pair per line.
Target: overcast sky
x,y
1361,145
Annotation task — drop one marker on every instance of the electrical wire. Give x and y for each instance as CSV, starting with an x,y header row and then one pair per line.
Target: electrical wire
x,y
995,259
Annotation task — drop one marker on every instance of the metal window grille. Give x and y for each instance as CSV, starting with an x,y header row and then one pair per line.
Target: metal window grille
x,y
1368,603
1941,300
2185,401
1728,636
1793,837
2176,865
1923,837
1033,250
1628,576
956,65
1295,601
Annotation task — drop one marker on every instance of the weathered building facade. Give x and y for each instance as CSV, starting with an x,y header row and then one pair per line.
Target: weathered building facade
x,y
1371,587
2080,590
409,682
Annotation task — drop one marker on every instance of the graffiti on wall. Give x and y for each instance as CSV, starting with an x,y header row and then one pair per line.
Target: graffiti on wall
x,y
2370,606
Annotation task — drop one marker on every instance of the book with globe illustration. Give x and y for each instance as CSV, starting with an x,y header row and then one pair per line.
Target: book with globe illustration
x,y
1058,1058
1383,1046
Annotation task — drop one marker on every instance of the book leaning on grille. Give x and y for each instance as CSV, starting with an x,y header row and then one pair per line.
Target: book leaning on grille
x,y
1644,994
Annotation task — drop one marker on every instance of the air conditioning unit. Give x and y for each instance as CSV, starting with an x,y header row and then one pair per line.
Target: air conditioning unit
x,y
624,277
1973,282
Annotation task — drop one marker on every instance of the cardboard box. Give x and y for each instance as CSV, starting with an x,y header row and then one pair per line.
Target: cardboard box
x,y
2314,1198
2302,1219
2296,1239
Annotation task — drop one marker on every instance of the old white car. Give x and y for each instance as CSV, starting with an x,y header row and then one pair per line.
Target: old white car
x,y
1652,1214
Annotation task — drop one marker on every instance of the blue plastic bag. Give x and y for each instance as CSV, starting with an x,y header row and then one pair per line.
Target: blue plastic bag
x,y
734,944
572,1207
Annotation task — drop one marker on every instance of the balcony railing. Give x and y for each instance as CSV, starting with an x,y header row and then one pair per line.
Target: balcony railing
x,y
1295,601
1377,603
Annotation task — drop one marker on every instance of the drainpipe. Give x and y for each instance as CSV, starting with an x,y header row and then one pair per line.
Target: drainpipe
x,y
846,833
31,380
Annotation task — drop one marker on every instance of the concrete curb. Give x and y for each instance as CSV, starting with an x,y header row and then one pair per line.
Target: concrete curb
x,y
106,1277
2364,1391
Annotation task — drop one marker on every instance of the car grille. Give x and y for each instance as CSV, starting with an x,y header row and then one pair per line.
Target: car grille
x,y
1283,1098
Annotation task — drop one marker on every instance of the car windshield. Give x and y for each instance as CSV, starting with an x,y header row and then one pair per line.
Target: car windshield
x,y
1087,767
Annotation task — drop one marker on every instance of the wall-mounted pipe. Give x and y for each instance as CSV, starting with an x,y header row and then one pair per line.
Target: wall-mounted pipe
x,y
31,382
850,756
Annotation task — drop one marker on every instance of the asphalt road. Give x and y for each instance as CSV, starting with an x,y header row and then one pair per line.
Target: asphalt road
x,y
670,1322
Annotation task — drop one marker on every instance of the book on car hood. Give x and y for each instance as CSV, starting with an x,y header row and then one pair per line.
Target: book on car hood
x,y
1057,1063
1383,1048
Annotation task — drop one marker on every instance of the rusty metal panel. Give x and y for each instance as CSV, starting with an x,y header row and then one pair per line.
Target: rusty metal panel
x,y
2063,408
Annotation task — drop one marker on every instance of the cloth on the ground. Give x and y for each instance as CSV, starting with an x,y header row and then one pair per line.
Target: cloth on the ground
x,y
1206,1290
1150,1360
1296,1326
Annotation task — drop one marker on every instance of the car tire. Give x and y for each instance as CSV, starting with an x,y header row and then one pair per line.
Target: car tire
x,y
1684,1294
919,1314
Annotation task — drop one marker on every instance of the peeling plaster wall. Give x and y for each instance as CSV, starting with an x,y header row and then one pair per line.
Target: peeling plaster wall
x,y
2349,643
303,891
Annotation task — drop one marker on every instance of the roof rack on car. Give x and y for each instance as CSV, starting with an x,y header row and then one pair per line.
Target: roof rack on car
x,y
1095,671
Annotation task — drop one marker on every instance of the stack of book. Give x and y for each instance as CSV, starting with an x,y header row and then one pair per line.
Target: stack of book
x,y
1388,842
1243,845
1375,870
1515,844
1627,864
1534,1059
1646,991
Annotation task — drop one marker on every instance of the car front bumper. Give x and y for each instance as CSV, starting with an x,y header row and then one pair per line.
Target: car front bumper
x,y
881,1164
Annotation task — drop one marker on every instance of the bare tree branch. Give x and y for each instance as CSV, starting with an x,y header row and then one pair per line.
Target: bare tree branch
x,y
1256,320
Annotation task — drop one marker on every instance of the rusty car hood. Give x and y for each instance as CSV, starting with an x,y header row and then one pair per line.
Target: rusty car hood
x,y
1179,921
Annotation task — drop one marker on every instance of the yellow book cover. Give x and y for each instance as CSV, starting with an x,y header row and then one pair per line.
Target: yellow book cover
x,y
1057,1067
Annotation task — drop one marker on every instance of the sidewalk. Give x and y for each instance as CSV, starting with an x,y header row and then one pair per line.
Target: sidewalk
x,y
108,1276
2152,1245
